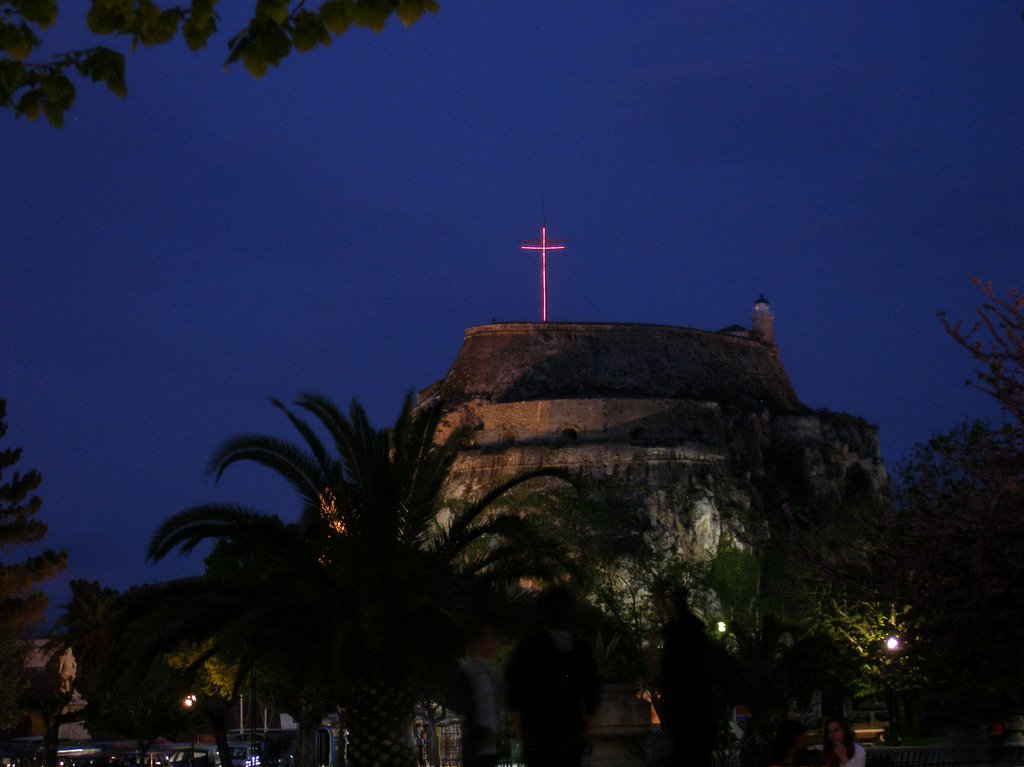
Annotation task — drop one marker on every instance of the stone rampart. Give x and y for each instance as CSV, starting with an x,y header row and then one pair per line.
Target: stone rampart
x,y
643,421
696,427
516,362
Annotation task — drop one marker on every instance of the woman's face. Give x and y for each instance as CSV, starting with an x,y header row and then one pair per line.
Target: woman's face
x,y
835,732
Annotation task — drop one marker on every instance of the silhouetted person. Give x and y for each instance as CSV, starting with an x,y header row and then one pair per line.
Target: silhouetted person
x,y
687,709
476,697
553,687
790,746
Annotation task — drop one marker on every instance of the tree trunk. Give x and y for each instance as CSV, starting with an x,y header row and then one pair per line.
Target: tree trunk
x,y
51,740
380,727
217,712
305,744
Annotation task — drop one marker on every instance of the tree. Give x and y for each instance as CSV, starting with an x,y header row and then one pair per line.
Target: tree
x,y
86,626
363,601
960,519
21,605
276,28
940,568
120,702
141,707
996,341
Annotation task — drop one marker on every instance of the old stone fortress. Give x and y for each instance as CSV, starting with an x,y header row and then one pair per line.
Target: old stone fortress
x,y
687,421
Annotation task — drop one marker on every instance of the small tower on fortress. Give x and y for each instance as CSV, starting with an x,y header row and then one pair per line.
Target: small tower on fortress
x,y
763,319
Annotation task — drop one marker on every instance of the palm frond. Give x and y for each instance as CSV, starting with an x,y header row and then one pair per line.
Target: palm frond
x,y
472,512
214,521
313,441
286,458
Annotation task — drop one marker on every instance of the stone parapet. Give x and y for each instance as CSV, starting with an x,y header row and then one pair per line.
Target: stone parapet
x,y
517,362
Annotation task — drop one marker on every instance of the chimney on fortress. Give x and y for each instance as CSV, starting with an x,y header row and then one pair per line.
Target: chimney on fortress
x,y
763,319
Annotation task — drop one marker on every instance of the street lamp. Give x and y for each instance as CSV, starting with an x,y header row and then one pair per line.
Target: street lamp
x,y
189,703
892,645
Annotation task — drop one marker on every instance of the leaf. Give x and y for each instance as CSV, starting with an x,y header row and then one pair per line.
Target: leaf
x,y
309,30
236,45
199,25
41,12
275,11
30,103
12,77
58,89
254,61
109,19
201,12
273,43
153,26
106,66
409,12
335,16
54,114
373,16
17,40
166,27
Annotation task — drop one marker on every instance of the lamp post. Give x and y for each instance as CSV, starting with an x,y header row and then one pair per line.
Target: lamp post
x,y
892,646
189,703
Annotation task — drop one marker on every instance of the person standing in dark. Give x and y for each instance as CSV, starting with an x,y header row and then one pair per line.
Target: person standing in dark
x,y
687,708
790,746
553,687
476,697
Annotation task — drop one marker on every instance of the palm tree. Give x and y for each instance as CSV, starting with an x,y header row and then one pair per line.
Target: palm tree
x,y
361,602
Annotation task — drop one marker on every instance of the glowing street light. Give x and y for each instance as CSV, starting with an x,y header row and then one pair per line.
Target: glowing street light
x,y
892,644
189,703
722,627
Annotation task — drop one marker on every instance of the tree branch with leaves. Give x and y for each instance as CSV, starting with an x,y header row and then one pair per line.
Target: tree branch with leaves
x,y
31,87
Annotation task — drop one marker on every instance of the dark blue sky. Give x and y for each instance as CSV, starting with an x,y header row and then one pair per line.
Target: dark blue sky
x,y
173,259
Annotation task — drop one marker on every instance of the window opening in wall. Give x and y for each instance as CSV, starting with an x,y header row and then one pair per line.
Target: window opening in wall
x,y
570,435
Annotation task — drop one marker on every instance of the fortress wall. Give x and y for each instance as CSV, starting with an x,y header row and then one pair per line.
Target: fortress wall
x,y
587,420
476,470
685,423
517,362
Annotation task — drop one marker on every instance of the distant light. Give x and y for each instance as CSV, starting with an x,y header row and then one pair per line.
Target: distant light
x,y
892,644
721,627
190,700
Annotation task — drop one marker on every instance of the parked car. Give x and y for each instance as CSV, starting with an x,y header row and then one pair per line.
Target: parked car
x,y
245,755
276,748
870,726
203,755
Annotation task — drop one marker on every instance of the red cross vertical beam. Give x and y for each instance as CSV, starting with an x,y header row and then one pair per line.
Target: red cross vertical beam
x,y
543,245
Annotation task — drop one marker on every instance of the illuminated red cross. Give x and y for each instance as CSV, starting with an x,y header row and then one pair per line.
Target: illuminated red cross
x,y
543,245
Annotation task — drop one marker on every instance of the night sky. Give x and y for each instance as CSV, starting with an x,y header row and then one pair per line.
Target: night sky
x,y
173,259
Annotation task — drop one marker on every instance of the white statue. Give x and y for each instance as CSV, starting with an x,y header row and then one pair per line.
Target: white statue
x,y
67,667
